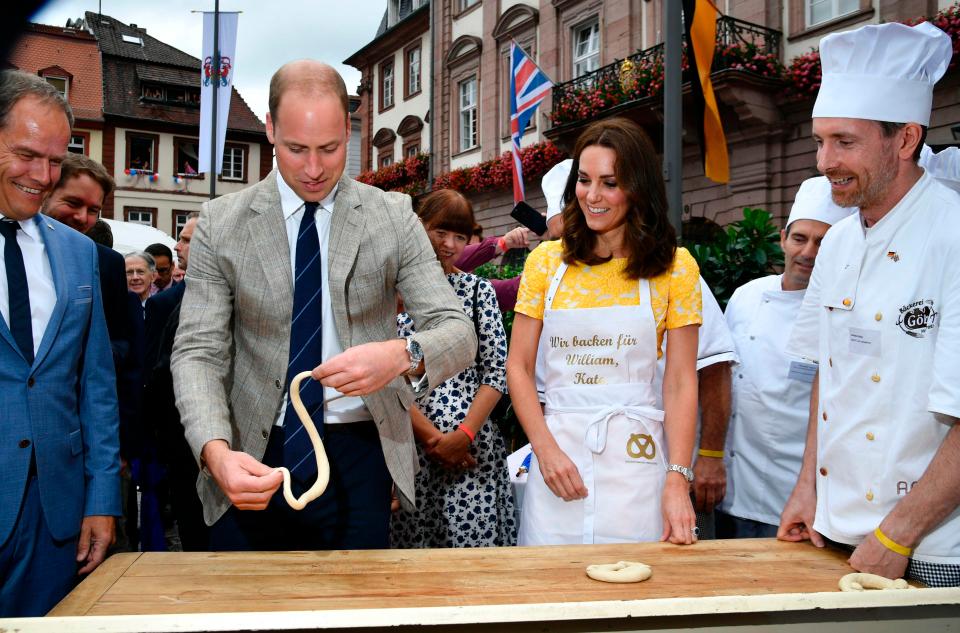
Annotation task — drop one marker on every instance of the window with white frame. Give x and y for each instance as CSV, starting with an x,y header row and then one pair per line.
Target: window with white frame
x,y
466,4
179,221
819,11
234,159
413,71
386,85
468,113
77,144
60,83
586,47
139,216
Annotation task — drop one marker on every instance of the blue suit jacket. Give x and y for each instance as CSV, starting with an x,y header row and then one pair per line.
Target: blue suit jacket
x,y
63,408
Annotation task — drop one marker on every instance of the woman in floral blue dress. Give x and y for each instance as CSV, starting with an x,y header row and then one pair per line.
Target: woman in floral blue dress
x,y
463,497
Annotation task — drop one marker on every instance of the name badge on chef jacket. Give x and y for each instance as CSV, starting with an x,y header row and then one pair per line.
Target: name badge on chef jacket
x,y
865,342
804,372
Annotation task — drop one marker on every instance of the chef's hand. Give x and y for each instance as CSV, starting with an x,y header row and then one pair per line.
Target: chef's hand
x,y
246,482
709,483
873,558
678,516
796,521
561,474
452,449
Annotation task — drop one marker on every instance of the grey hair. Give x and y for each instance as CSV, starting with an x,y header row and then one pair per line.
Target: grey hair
x,y
145,256
16,84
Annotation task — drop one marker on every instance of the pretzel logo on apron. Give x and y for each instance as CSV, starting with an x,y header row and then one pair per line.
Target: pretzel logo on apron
x,y
641,445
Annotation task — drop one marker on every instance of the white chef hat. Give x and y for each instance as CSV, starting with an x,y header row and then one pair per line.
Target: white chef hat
x,y
814,202
882,72
553,184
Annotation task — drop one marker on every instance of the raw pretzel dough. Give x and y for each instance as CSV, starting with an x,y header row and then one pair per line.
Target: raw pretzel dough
x,y
862,582
323,466
623,571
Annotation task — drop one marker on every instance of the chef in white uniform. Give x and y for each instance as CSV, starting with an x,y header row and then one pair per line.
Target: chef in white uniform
x,y
771,390
882,318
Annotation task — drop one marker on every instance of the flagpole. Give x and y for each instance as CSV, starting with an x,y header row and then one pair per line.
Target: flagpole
x,y
672,111
215,78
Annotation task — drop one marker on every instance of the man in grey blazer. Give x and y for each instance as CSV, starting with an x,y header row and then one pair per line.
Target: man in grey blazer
x,y
233,348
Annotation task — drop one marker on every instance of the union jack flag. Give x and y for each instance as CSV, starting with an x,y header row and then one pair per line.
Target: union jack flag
x,y
528,86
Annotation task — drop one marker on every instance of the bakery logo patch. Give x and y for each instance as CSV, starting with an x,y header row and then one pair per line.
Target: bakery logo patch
x,y
917,318
641,445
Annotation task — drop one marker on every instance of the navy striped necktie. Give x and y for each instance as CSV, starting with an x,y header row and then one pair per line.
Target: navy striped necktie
x,y
306,351
21,323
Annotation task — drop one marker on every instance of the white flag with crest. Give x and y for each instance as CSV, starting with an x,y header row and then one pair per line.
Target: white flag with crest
x,y
224,84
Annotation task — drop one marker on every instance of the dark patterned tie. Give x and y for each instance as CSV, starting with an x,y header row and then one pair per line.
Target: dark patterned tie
x,y
306,351
21,324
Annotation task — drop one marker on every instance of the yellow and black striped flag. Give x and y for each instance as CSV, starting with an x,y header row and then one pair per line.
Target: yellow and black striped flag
x,y
700,26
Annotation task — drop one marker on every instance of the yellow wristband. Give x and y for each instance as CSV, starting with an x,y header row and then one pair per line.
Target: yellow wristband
x,y
702,452
890,544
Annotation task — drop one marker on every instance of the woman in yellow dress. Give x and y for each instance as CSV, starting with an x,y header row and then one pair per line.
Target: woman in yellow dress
x,y
591,316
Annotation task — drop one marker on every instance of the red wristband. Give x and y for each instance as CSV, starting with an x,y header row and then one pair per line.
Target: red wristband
x,y
502,245
467,432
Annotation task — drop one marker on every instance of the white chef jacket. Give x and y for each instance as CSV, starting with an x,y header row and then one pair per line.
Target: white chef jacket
x,y
714,345
882,314
771,401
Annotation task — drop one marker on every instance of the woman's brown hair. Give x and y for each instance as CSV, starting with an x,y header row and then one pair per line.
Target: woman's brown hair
x,y
649,239
447,210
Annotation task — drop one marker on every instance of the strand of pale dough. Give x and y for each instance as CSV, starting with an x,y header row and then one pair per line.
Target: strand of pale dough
x,y
861,582
622,571
323,466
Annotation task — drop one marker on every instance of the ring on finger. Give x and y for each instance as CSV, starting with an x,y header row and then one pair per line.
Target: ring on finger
x,y
696,531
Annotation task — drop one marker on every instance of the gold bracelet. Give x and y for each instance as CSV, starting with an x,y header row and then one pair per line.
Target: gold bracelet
x,y
703,452
890,544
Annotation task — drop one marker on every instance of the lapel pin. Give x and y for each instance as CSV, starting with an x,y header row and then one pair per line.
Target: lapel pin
x,y
893,256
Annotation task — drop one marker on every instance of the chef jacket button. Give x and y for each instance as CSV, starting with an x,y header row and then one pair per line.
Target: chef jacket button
x,y
878,316
830,308
847,302
278,384
752,337
869,496
875,378
739,375
870,436
823,471
824,416
264,433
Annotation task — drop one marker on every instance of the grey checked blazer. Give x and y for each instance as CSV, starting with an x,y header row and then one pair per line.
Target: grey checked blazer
x,y
230,356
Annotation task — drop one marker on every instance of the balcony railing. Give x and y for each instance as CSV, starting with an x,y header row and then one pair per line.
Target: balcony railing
x,y
741,46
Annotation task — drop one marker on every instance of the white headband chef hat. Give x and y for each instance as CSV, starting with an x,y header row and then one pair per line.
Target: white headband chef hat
x,y
814,202
882,72
553,184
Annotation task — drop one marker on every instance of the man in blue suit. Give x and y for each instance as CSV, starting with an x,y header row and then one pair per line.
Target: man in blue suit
x,y
59,441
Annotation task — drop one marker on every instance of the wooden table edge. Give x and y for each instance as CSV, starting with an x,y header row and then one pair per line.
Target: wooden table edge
x,y
486,614
86,594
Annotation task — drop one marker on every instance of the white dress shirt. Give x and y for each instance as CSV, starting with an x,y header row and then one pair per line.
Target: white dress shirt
x,y
43,294
349,409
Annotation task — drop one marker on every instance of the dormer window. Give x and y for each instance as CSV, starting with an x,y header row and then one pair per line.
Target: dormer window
x,y
58,78
133,39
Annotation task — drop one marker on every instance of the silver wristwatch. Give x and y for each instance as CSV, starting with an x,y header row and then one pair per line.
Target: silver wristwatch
x,y
415,352
683,470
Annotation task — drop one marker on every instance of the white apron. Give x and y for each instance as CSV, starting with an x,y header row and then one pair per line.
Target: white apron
x,y
598,369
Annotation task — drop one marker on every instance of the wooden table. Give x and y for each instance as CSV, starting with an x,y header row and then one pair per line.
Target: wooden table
x,y
720,585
